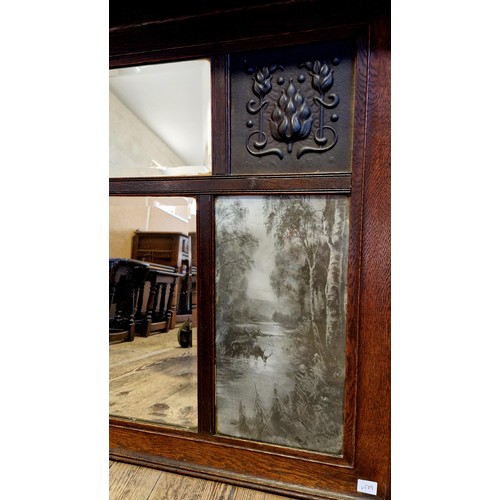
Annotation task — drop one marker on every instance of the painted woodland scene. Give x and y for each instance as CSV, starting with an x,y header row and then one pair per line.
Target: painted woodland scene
x,y
281,299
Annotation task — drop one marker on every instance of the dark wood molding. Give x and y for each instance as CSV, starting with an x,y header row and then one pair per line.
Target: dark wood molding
x,y
123,17
234,443
220,114
234,461
191,32
374,349
366,455
234,185
205,228
355,245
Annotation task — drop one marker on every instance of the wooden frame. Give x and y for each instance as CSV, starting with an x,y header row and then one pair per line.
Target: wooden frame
x,y
291,472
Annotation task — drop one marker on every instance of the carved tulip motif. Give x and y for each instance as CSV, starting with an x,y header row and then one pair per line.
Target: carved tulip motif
x,y
262,81
257,141
291,119
322,76
322,82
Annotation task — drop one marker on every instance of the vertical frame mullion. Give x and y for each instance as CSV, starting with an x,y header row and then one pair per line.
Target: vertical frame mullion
x,y
355,245
220,115
205,229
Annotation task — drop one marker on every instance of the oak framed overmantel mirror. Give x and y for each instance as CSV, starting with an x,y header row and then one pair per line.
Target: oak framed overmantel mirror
x,y
250,244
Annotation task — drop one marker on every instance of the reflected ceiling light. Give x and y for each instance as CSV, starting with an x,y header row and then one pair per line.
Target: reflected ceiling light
x,y
171,210
181,170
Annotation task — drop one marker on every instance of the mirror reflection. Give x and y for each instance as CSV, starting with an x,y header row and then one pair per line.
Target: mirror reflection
x,y
159,120
152,310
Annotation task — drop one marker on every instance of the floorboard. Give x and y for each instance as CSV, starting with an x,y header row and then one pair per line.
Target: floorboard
x,y
132,482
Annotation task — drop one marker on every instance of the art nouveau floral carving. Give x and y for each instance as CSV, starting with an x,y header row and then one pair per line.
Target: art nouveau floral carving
x,y
291,119
261,87
295,111
322,82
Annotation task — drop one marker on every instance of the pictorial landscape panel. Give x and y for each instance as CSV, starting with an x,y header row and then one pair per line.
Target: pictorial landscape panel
x,y
281,299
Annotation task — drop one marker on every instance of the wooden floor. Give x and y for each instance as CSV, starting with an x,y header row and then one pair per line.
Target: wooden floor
x,y
131,482
153,379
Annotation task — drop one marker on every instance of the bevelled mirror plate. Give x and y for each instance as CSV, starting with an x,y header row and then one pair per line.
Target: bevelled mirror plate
x,y
152,310
160,120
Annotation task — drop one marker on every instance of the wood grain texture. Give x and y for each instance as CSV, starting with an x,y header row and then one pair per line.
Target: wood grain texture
x,y
294,473
208,457
220,114
373,436
132,482
206,299
355,245
233,185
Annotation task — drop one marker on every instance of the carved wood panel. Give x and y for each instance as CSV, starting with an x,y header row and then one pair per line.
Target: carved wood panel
x,y
292,109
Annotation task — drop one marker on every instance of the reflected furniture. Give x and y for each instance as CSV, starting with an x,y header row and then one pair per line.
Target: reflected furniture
x,y
141,298
156,300
174,250
126,277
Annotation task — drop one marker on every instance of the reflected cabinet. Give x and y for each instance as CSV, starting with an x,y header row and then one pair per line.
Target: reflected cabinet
x,y
274,276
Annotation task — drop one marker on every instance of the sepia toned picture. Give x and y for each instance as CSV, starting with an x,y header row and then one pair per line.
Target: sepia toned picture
x,y
281,299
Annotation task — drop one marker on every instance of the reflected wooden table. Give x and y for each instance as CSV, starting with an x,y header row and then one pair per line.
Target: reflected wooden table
x,y
157,297
141,298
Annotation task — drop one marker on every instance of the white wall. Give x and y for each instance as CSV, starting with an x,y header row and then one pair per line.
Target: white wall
x,y
133,146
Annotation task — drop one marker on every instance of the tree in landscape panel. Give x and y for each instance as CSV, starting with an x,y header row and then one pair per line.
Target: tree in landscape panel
x,y
289,281
235,246
303,229
310,233
335,231
294,224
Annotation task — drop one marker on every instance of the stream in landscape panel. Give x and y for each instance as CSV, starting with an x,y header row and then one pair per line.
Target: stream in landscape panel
x,y
281,294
